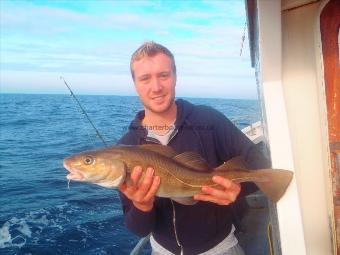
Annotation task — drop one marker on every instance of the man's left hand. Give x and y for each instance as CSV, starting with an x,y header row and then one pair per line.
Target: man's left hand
x,y
224,196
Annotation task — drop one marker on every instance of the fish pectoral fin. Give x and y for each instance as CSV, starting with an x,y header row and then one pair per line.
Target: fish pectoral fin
x,y
164,150
192,160
184,200
232,164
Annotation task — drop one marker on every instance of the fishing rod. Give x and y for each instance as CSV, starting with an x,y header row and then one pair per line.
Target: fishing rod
x,y
84,112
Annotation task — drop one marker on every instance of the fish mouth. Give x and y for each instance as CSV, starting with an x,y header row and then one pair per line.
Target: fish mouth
x,y
74,175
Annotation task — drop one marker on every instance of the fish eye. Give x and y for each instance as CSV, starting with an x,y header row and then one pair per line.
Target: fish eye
x,y
88,160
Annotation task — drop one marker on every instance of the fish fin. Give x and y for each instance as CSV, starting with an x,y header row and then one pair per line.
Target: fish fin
x,y
232,164
192,160
274,182
184,200
164,150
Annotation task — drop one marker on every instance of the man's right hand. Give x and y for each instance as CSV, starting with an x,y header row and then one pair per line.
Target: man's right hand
x,y
142,194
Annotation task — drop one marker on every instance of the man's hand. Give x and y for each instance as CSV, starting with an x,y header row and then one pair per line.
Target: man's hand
x,y
225,196
141,194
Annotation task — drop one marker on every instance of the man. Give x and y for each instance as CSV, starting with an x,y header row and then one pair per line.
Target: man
x,y
204,227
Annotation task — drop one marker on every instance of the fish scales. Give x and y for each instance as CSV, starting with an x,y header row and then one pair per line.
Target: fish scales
x,y
179,180
162,165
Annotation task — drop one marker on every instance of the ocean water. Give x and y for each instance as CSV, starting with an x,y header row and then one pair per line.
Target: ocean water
x,y
38,213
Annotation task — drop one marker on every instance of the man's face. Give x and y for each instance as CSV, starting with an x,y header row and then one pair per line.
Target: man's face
x,y
155,82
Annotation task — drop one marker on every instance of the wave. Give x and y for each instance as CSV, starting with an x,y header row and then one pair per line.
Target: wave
x,y
60,224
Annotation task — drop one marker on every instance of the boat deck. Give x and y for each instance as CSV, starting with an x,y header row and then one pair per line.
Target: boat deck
x,y
254,238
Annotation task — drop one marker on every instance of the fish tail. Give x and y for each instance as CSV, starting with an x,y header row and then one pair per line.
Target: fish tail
x,y
274,182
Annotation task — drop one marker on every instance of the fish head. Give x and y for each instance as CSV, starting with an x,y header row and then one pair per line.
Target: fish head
x,y
104,169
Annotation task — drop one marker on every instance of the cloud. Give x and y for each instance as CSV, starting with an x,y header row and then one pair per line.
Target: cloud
x,y
97,39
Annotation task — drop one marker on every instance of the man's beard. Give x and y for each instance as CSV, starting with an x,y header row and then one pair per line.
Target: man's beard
x,y
167,108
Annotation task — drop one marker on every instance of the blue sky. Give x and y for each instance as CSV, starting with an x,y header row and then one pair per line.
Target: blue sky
x,y
90,44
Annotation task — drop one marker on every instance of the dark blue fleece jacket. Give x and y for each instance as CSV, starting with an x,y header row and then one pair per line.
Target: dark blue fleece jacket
x,y
201,226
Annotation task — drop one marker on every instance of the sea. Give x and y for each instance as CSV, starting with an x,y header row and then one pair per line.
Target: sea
x,y
39,214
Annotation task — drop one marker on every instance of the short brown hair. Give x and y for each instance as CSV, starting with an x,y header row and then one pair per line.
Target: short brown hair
x,y
150,49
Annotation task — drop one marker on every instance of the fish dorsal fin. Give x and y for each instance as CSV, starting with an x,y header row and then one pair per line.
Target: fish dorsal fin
x,y
232,164
192,160
164,150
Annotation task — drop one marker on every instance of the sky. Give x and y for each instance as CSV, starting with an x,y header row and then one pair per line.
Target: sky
x,y
90,43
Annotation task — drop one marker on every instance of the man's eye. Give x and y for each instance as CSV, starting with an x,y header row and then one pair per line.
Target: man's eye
x,y
144,79
164,75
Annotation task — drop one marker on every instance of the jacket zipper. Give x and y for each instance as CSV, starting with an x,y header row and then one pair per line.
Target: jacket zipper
x,y
175,229
150,139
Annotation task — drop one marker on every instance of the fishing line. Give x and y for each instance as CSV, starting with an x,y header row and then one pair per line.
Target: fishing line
x,y
243,37
84,112
81,117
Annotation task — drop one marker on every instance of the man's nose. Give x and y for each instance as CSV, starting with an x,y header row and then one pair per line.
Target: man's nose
x,y
156,85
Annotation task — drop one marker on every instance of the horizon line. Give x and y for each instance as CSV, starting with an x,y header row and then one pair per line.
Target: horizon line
x,y
82,94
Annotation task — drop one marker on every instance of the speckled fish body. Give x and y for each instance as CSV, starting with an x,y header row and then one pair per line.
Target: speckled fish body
x,y
182,175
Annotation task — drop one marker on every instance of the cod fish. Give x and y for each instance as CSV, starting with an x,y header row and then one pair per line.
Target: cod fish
x,y
182,175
